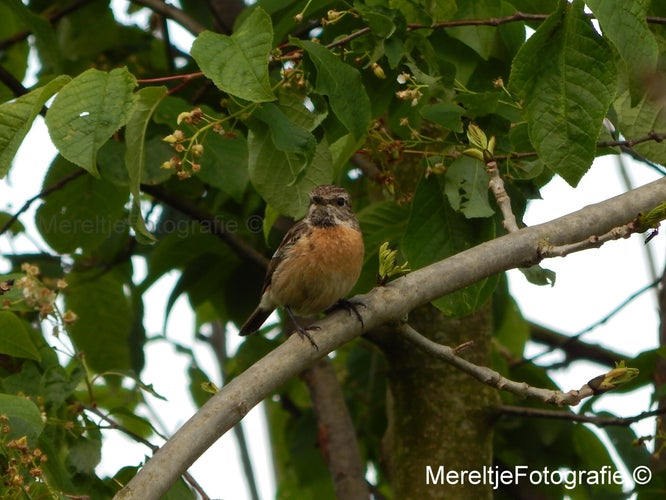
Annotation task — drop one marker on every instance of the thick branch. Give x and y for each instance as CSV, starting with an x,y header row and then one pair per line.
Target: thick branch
x,y
337,439
385,304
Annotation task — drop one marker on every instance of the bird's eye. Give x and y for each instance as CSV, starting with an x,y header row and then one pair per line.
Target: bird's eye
x,y
340,201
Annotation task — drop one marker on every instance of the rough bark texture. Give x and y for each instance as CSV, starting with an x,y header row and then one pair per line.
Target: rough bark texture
x,y
438,416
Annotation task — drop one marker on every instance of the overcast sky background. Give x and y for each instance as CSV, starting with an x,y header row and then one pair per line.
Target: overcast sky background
x,y
589,285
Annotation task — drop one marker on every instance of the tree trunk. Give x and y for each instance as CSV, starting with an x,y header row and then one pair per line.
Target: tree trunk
x,y
438,416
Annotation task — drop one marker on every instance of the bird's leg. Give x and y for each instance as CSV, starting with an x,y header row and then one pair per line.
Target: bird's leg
x,y
349,305
302,331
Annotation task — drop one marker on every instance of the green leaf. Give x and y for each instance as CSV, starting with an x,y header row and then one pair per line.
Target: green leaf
x,y
466,188
434,232
50,54
379,19
538,275
15,339
279,177
625,25
287,136
104,319
238,64
446,114
342,85
224,165
147,100
25,419
484,40
83,213
87,111
16,118
637,121
15,227
566,75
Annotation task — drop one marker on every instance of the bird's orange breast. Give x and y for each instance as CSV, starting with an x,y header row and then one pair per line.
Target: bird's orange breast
x,y
320,269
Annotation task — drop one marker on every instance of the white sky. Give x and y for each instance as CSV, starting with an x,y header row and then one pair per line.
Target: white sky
x,y
589,284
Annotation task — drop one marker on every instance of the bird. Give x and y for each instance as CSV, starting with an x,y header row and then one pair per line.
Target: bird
x,y
316,265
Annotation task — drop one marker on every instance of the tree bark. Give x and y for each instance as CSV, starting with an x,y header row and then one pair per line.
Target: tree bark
x,y
438,416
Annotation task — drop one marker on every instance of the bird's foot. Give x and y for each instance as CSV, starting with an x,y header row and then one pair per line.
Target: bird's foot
x,y
350,306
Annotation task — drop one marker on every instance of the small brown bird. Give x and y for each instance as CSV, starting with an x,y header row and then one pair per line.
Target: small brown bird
x,y
317,263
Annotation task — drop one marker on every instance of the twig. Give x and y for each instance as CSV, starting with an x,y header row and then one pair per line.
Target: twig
x,y
173,13
576,417
491,377
574,348
12,82
242,249
547,250
45,192
496,186
135,437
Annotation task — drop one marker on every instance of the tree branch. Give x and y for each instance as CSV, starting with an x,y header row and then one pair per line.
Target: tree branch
x,y
45,192
172,13
132,435
574,338
52,18
523,411
191,209
387,304
336,435
491,377
574,348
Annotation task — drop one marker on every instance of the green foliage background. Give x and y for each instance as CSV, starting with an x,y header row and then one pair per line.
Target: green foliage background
x,y
376,98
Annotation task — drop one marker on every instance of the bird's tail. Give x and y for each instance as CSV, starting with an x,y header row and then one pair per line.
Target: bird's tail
x,y
255,321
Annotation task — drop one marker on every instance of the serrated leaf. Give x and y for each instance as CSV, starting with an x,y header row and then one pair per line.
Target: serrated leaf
x,y
466,188
278,176
434,232
342,84
87,111
25,419
238,64
16,118
15,339
147,100
566,75
625,25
